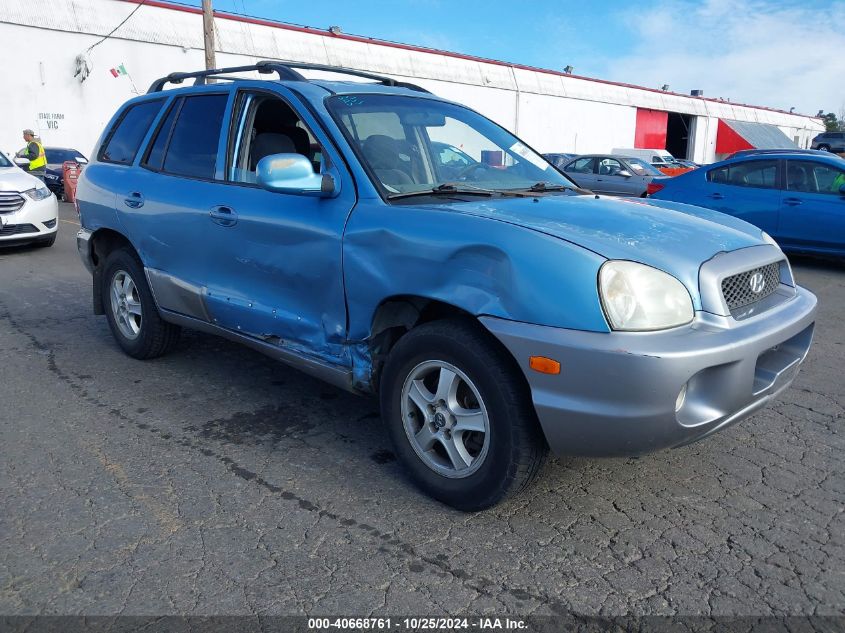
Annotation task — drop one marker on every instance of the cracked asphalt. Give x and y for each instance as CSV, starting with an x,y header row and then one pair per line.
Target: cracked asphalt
x,y
216,481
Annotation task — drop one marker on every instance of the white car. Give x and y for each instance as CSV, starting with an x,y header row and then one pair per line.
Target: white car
x,y
28,211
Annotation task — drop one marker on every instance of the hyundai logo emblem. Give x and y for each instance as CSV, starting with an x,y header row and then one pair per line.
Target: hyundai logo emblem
x,y
757,283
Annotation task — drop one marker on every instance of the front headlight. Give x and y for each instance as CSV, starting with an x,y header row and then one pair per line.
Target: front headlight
x,y
636,297
38,193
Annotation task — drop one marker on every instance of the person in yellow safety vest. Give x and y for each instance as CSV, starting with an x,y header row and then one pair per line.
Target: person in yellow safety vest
x,y
34,151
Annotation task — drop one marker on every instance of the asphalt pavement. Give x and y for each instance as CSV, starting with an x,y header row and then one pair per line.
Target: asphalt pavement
x,y
216,481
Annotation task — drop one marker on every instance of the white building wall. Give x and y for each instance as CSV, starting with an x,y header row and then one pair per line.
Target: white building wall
x,y
555,124
552,112
704,149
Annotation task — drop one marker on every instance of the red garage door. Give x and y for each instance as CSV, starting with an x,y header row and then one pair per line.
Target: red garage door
x,y
651,129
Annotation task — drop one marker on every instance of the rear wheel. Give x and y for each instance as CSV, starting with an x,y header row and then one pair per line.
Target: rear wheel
x,y
824,148
131,311
460,415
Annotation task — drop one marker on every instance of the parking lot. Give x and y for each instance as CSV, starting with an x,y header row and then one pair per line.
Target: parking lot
x,y
215,480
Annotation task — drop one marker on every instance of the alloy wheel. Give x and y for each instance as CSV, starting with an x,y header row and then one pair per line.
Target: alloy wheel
x,y
445,419
126,304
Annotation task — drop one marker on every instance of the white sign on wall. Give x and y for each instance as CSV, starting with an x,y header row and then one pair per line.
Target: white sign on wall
x,y
50,120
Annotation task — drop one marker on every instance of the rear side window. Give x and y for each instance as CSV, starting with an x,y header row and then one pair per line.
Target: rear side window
x,y
125,137
186,143
155,155
761,174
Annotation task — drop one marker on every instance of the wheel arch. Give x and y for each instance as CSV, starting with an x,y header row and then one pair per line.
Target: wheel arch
x,y
102,243
397,315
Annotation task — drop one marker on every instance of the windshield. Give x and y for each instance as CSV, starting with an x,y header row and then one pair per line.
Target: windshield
x,y
642,168
411,144
57,155
4,162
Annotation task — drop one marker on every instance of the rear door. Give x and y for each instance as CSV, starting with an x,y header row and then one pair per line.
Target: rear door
x,y
583,172
109,179
172,192
748,190
812,214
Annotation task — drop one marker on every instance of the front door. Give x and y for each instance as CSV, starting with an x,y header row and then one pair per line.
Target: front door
x,y
610,181
275,271
812,214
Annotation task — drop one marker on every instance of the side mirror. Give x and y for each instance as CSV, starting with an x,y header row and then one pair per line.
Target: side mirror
x,y
22,162
624,173
293,173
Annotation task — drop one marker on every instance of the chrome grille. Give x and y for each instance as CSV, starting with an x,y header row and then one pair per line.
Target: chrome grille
x,y
10,201
750,286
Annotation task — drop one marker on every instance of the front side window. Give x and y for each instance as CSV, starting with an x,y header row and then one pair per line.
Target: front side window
x,y
609,167
267,125
399,140
811,177
125,137
761,174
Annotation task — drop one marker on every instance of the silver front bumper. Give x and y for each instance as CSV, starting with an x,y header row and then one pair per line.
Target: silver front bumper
x,y
616,393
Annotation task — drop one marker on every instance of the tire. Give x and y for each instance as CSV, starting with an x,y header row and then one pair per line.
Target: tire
x,y
489,392
47,241
131,311
824,148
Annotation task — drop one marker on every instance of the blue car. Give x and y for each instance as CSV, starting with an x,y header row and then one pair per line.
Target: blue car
x,y
797,198
494,311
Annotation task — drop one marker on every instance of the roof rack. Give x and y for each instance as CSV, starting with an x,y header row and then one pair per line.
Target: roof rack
x,y
285,70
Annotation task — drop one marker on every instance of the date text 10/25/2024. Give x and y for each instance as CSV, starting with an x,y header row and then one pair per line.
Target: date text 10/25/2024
x,y
416,624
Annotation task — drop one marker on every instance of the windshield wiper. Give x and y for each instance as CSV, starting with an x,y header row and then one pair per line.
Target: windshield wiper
x,y
546,186
447,188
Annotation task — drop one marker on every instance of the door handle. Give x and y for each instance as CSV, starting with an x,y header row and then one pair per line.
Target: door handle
x,y
223,215
716,196
792,202
134,200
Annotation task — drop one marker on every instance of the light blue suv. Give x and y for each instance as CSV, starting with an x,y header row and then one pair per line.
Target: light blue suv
x,y
495,311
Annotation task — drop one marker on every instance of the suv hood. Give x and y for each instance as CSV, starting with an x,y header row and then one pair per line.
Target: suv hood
x,y
673,237
16,179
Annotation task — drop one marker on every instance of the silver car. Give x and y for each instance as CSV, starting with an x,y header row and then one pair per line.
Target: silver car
x,y
611,174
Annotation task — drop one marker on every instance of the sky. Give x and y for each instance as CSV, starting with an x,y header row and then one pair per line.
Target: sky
x,y
775,53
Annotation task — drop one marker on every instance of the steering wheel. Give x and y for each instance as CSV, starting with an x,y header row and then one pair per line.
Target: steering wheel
x,y
466,171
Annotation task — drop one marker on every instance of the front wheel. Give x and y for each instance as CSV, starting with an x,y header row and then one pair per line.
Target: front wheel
x,y
824,148
131,311
460,415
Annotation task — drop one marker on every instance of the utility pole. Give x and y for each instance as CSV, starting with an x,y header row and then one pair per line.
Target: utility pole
x,y
208,34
